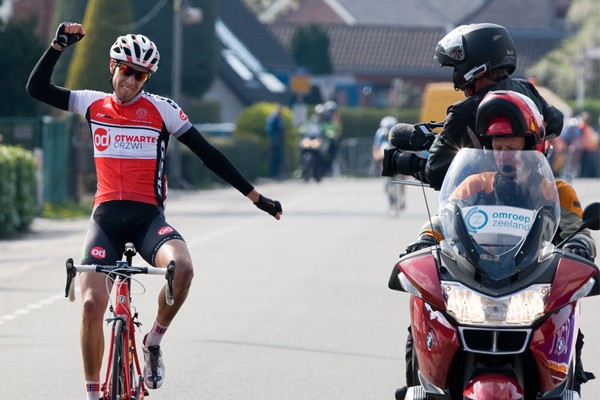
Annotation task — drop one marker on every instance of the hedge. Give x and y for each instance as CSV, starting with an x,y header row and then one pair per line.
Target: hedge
x,y
18,188
245,153
363,122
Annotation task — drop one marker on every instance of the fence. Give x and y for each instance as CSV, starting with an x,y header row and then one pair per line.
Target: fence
x,y
63,149
356,157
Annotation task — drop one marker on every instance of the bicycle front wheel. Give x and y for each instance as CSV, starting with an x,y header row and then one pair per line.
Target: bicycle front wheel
x,y
117,380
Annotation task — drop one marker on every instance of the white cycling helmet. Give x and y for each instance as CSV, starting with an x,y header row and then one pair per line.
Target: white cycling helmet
x,y
136,49
388,122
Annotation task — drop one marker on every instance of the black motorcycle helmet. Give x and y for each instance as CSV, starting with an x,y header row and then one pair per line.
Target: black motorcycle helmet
x,y
474,50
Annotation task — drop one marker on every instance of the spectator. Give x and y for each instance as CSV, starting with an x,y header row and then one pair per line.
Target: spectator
x,y
590,158
275,128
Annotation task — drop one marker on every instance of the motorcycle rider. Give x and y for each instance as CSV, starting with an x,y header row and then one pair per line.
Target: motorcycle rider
x,y
483,57
331,123
507,120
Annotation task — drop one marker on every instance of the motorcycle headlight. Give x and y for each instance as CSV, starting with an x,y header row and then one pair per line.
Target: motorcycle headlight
x,y
315,143
471,307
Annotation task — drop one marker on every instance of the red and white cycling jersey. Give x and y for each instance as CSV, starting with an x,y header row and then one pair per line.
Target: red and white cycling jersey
x,y
130,143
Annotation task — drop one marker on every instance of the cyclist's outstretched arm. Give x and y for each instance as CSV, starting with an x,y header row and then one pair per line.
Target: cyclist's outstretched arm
x,y
220,165
215,160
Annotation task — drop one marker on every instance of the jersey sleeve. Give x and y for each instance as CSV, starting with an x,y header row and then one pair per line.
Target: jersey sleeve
x,y
176,121
80,100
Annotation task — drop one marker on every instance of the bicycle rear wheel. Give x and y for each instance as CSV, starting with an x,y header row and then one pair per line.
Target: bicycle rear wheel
x,y
117,379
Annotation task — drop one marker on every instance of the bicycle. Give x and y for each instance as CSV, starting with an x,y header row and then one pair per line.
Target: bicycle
x,y
123,362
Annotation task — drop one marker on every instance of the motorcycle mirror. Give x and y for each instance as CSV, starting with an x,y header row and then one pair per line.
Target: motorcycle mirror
x,y
591,220
591,216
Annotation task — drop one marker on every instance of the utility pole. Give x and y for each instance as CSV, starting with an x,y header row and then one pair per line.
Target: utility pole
x,y
190,15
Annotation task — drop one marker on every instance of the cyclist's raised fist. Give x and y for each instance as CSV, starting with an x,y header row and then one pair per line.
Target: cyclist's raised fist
x,y
67,34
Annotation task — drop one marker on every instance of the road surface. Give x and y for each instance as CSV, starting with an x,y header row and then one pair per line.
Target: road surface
x,y
290,309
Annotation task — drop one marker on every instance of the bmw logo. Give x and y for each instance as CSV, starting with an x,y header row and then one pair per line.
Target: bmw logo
x,y
429,341
560,344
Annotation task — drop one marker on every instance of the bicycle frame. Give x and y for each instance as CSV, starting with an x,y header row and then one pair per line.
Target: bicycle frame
x,y
123,363
122,311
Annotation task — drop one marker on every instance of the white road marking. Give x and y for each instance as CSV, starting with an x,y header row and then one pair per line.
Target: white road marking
x,y
29,308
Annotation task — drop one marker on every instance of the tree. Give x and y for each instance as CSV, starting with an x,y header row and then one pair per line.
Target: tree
x,y
559,69
310,48
20,49
104,21
199,46
66,10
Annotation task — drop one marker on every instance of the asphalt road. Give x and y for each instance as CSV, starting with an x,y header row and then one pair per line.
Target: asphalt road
x,y
290,309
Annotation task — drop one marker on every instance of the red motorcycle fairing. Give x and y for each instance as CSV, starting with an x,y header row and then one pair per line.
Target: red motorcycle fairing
x,y
553,346
435,342
422,272
493,387
570,276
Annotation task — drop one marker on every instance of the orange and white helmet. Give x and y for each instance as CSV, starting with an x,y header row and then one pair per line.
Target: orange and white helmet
x,y
508,113
136,49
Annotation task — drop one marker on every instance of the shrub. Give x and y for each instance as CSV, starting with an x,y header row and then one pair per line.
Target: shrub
x,y
18,188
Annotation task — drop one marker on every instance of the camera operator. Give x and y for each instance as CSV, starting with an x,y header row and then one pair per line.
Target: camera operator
x,y
483,57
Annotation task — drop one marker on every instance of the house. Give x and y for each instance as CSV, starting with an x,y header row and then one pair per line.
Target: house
x,y
253,65
391,42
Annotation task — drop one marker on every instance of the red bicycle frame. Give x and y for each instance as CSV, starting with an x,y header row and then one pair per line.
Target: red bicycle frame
x,y
123,364
122,311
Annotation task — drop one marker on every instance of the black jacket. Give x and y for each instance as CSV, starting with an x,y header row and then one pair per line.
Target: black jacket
x,y
459,127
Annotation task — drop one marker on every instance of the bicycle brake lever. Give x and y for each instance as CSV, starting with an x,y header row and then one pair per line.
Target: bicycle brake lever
x,y
169,276
70,288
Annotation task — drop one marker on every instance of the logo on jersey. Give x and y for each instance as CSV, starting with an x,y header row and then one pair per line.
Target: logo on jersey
x,y
98,252
182,115
101,139
165,230
141,113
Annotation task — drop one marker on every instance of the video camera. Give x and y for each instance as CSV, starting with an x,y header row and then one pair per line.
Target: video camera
x,y
407,139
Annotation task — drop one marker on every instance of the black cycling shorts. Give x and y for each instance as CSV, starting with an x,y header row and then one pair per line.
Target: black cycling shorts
x,y
115,223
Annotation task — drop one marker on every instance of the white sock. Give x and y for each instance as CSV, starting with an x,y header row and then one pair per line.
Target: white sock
x,y
154,337
92,389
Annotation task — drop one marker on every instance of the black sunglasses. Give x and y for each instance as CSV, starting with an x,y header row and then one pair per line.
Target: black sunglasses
x,y
126,70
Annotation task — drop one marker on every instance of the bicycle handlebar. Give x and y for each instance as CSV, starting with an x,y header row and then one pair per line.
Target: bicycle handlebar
x,y
73,268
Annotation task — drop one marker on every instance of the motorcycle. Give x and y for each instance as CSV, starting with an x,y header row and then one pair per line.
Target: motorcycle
x,y
494,307
314,151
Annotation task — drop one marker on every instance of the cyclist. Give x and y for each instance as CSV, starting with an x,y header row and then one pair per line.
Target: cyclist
x,y
131,129
483,57
507,120
395,192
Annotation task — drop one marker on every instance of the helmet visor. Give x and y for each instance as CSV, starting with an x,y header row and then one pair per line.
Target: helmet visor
x,y
452,46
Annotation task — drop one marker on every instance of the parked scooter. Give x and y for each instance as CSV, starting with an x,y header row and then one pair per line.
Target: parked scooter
x,y
494,306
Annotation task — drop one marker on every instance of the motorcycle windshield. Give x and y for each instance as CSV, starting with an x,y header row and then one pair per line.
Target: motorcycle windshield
x,y
498,209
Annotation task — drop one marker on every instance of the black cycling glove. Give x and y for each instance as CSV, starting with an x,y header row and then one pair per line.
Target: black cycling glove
x,y
576,246
63,39
269,206
423,242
